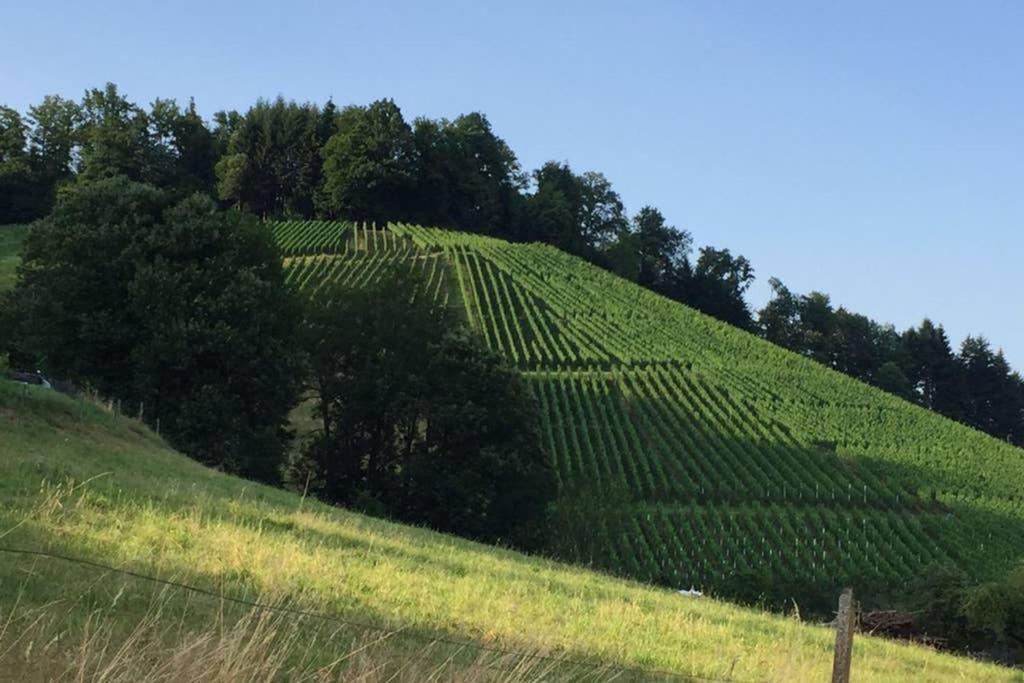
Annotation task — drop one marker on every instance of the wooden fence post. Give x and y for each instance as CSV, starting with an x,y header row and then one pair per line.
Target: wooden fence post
x,y
844,638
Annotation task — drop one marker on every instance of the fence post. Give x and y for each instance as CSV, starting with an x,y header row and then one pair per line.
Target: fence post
x,y
844,638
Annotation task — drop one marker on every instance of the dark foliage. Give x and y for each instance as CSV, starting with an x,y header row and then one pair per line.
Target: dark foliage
x,y
271,162
175,309
419,421
370,165
963,616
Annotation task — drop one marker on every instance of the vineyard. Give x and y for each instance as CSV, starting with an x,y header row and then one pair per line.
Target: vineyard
x,y
714,455
357,256
295,238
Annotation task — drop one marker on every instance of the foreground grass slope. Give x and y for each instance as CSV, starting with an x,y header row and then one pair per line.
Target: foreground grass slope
x,y
78,481
692,453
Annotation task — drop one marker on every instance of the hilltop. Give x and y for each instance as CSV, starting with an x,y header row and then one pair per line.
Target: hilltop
x,y
692,453
79,481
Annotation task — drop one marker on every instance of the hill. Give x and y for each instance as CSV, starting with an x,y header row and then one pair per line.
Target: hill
x,y
76,480
692,453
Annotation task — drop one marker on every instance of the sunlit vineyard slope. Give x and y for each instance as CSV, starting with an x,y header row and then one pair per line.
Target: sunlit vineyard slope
x,y
691,453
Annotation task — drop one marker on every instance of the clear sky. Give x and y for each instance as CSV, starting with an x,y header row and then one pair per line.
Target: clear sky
x,y
874,150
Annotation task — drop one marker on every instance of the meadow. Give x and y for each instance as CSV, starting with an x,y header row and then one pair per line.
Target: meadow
x,y
391,602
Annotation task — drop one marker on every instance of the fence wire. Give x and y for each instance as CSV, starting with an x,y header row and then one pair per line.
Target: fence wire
x,y
365,626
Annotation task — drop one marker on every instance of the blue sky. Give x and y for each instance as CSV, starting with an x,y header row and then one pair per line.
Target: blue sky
x,y
872,150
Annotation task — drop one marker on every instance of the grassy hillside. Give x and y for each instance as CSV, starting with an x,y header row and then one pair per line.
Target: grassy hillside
x,y
11,237
78,481
690,452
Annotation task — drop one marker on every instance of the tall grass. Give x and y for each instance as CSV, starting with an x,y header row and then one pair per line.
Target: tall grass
x,y
53,643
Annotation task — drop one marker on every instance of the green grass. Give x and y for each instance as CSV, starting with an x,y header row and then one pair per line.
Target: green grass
x,y
76,480
11,237
732,459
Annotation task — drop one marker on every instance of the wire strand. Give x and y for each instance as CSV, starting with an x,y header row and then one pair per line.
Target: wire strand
x,y
357,624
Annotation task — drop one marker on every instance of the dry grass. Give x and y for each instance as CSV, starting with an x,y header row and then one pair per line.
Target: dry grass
x,y
50,644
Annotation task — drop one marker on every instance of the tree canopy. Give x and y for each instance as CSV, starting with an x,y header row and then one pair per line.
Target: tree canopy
x,y
370,165
175,309
419,421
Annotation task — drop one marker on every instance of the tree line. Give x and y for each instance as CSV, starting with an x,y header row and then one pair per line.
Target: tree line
x,y
974,385
283,159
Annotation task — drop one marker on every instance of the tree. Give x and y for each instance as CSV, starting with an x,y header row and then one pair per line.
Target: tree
x,y
976,387
931,367
19,195
986,618
603,215
53,138
467,177
479,470
173,308
1007,402
664,250
854,344
553,213
817,319
186,151
580,214
780,320
419,421
990,393
12,135
327,124
271,165
365,348
998,607
369,165
891,378
937,595
717,285
622,256
979,382
115,139
845,341
225,123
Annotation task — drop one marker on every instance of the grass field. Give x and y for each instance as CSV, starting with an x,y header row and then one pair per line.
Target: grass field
x,y
11,237
79,481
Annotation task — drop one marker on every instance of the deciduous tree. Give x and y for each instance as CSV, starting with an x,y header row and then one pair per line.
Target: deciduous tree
x,y
419,421
173,308
370,165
